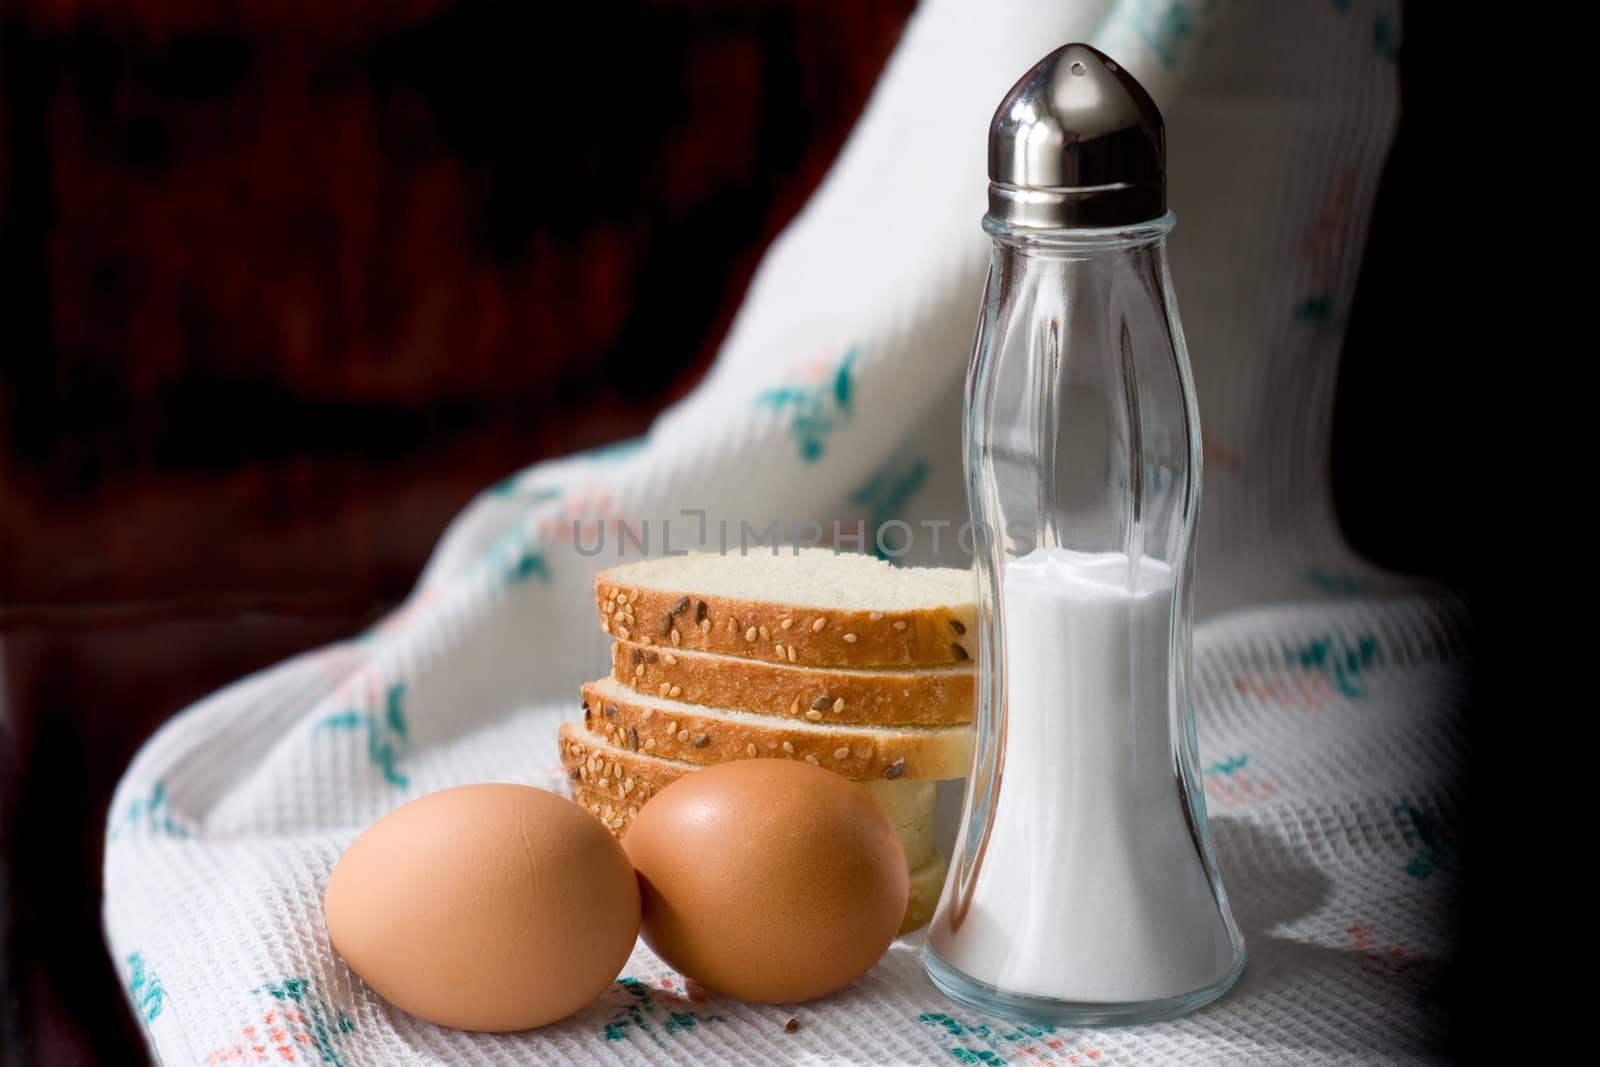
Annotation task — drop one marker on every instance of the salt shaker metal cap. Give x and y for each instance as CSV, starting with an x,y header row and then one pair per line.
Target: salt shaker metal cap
x,y
1077,143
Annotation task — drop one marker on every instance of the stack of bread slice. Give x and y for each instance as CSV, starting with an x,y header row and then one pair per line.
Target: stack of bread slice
x,y
838,660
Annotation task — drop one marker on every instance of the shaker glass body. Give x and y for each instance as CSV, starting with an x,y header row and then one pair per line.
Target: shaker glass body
x,y
1083,889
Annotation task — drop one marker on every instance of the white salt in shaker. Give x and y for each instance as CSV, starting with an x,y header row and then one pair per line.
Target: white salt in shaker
x,y
1084,890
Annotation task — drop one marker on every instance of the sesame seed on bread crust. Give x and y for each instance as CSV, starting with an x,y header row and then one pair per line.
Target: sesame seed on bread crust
x,y
701,735
884,696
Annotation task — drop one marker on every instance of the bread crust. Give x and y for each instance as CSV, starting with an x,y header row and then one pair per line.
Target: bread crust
x,y
704,737
754,629
885,697
587,757
626,780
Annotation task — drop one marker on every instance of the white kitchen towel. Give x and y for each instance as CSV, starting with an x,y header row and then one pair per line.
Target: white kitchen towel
x,y
1326,690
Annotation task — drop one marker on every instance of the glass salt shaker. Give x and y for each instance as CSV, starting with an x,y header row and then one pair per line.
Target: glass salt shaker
x,y
1084,889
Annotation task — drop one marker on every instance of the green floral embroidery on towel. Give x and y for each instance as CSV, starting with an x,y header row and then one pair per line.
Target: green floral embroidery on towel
x,y
527,564
643,1014
819,407
299,1022
615,450
1318,307
1386,37
1340,661
152,814
507,486
1230,765
1335,584
515,557
145,988
1007,1042
885,496
1163,25
1322,251
387,744
1431,840
511,555
1232,781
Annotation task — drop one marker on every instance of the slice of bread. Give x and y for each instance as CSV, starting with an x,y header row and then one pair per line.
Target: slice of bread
x,y
927,881
821,608
884,696
927,877
673,729
627,779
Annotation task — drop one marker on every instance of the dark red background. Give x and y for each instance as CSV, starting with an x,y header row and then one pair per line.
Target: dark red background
x,y
283,291
283,288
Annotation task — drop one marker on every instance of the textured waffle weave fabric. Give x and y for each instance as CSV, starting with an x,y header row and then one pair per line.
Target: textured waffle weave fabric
x,y
1326,691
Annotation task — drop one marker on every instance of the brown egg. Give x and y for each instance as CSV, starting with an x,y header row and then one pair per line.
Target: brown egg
x,y
768,880
488,907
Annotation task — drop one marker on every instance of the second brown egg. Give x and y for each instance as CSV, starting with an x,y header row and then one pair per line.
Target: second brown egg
x,y
768,880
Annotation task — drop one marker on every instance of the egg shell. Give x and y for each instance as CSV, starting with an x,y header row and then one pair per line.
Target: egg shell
x,y
768,880
487,907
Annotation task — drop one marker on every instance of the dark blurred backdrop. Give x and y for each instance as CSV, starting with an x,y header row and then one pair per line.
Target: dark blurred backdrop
x,y
283,287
